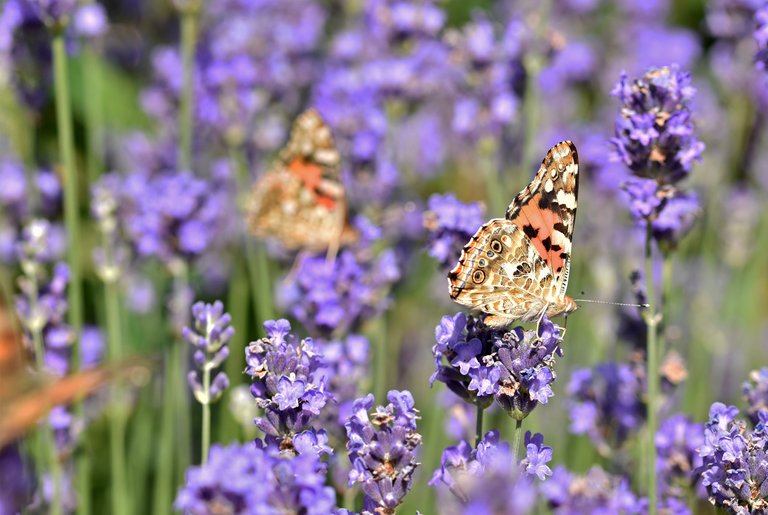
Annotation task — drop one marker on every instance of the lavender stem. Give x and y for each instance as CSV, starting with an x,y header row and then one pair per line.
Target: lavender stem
x,y
652,371
479,424
188,43
71,216
516,439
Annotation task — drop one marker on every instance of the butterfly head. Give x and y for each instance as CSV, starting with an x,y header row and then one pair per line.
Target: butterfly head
x,y
569,305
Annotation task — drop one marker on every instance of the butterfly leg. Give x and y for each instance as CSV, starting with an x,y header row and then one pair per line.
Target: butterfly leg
x,y
540,318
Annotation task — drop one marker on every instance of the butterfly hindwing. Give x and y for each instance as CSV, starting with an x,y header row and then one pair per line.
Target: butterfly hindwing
x,y
502,274
546,209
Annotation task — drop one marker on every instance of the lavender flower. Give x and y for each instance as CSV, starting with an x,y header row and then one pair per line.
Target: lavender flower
x,y
15,200
335,299
243,479
16,480
348,360
486,479
290,382
382,447
42,304
111,258
595,492
56,13
171,216
731,19
492,77
359,131
735,463
655,136
761,37
606,403
90,20
481,364
253,63
210,335
655,139
677,442
451,224
755,392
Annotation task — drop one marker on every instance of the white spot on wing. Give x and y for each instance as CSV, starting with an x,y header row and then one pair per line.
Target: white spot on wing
x,y
508,268
566,199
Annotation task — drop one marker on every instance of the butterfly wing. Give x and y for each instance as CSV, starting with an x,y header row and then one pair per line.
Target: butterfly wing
x,y
546,211
301,202
501,273
27,396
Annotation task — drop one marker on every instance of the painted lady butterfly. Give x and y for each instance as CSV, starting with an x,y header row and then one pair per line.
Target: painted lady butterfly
x,y
516,268
301,201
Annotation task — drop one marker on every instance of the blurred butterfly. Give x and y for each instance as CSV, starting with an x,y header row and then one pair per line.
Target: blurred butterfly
x,y
301,202
27,396
516,268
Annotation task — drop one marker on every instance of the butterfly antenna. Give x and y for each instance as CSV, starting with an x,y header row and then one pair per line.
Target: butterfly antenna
x,y
614,303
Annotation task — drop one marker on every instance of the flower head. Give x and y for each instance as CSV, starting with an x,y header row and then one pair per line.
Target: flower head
x,y
90,20
171,215
335,299
209,336
451,224
481,364
42,304
755,392
655,136
242,479
491,76
677,442
383,444
594,492
54,12
290,383
735,461
606,403
16,479
485,479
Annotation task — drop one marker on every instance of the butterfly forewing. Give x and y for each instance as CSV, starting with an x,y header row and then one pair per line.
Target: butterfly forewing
x,y
546,209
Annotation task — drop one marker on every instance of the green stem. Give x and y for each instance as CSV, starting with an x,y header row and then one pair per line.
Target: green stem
x,y
350,495
378,335
71,191
479,424
652,373
181,400
117,421
71,217
256,256
488,151
94,115
141,451
666,295
206,429
237,300
164,478
49,453
188,43
516,439
47,450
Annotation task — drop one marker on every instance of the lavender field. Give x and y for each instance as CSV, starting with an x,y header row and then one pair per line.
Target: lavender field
x,y
246,263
